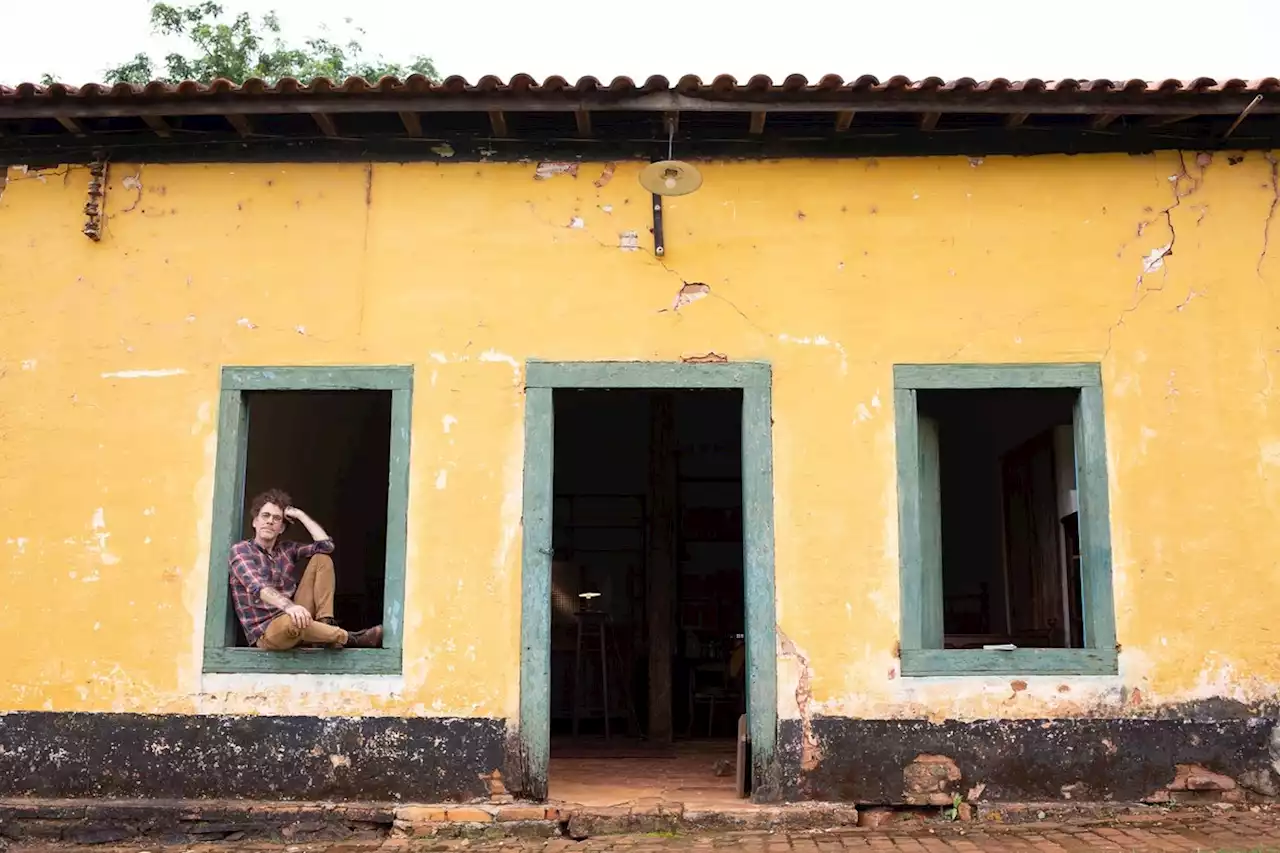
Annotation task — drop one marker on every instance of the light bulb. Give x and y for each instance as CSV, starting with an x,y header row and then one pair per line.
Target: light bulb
x,y
670,182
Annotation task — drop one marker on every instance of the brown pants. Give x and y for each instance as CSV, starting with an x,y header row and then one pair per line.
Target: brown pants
x,y
315,593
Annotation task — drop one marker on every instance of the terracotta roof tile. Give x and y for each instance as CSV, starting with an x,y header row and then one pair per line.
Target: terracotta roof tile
x,y
722,86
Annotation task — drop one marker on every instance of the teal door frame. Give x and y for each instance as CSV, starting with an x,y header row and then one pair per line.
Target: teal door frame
x,y
542,378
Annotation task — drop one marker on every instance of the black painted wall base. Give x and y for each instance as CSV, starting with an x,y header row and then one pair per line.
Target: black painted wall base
x,y
422,759
1118,759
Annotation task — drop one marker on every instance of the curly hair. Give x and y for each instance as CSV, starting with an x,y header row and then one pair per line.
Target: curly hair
x,y
279,497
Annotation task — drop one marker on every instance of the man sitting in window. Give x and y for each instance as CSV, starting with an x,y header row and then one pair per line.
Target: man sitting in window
x,y
277,609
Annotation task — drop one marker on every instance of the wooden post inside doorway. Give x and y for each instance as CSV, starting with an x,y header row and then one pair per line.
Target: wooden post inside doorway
x,y
660,574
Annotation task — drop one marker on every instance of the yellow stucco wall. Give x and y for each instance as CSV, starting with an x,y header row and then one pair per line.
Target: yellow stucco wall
x,y
110,356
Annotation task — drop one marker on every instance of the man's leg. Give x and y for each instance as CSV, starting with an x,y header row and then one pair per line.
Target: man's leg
x,y
282,634
315,589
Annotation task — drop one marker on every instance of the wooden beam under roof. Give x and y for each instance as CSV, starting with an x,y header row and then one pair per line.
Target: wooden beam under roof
x,y
1101,120
498,123
412,123
159,125
326,123
669,103
757,122
929,121
1016,119
240,122
844,119
583,119
70,124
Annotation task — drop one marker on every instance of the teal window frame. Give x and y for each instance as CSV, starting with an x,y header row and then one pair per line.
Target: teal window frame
x,y
220,656
919,524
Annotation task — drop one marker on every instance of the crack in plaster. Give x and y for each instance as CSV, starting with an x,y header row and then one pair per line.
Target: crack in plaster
x,y
1271,213
1155,260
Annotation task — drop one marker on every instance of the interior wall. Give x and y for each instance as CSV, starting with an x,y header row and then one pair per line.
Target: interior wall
x,y
330,450
976,431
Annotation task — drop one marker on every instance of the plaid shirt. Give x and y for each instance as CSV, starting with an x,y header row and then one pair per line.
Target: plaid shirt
x,y
254,567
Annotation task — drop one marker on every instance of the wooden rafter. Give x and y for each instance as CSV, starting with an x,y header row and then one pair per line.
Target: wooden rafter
x,y
159,125
1016,119
241,123
757,122
325,122
498,123
844,119
1100,121
929,121
1161,121
583,119
412,123
70,124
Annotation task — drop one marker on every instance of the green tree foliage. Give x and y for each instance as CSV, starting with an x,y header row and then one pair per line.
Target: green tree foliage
x,y
241,47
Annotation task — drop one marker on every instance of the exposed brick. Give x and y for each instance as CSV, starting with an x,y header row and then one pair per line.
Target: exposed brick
x,y
421,814
468,815
1193,777
930,779
510,813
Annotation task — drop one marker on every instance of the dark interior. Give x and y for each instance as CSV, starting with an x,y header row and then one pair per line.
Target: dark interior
x,y
1010,550
331,451
626,463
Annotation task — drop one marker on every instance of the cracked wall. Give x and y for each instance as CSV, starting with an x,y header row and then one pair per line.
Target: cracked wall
x,y
109,384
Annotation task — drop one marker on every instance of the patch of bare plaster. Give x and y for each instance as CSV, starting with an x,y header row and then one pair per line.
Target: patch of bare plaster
x,y
709,358
606,175
689,293
133,182
809,753
629,241
547,170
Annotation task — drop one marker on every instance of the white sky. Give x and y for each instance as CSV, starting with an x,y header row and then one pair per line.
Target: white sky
x,y
1084,38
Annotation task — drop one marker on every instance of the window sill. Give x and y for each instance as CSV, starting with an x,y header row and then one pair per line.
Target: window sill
x,y
305,661
925,662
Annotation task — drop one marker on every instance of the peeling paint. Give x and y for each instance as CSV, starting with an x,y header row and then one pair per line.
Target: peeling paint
x,y
689,293
819,341
1154,259
144,374
547,170
606,175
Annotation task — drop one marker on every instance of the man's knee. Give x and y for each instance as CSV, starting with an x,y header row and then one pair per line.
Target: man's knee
x,y
281,635
320,563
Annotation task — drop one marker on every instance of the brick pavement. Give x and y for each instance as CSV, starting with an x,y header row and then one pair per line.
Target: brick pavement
x,y
1212,833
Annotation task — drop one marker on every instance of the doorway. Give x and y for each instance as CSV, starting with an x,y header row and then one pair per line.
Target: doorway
x,y
648,655
648,663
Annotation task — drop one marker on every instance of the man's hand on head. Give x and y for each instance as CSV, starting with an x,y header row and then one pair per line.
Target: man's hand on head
x,y
293,513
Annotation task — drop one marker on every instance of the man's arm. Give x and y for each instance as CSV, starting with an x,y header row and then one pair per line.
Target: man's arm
x,y
244,571
322,544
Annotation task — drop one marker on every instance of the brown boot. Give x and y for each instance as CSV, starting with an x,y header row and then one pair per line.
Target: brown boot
x,y
369,638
